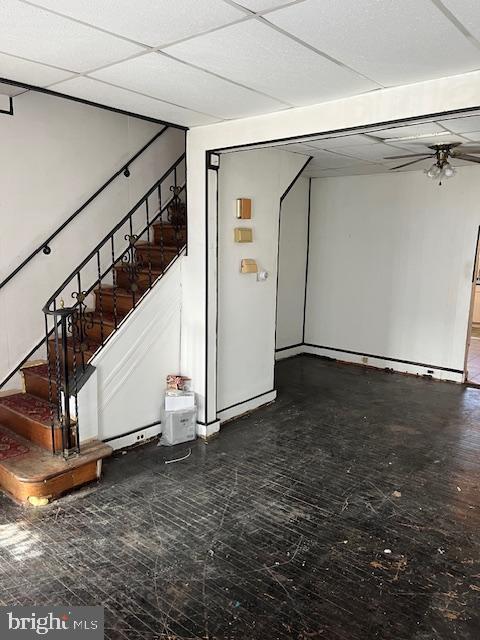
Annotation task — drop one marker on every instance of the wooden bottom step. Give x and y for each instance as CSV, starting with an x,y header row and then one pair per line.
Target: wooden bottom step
x,y
28,471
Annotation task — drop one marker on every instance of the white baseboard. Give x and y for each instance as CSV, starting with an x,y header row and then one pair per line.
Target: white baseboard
x,y
247,405
291,351
135,438
208,430
383,363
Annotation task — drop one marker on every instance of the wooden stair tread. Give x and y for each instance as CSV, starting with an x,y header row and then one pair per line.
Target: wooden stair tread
x,y
92,345
38,465
155,271
105,316
33,471
167,225
109,290
33,407
39,370
143,244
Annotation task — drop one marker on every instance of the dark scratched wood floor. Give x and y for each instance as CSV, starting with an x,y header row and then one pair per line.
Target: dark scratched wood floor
x,y
347,510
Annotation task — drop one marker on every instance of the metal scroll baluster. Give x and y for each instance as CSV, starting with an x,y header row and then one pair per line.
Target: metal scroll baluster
x,y
176,212
73,385
75,295
149,261
134,280
131,266
50,391
114,291
100,297
65,419
176,226
58,369
80,322
162,249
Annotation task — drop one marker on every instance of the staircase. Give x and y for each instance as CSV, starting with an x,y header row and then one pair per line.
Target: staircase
x,y
39,422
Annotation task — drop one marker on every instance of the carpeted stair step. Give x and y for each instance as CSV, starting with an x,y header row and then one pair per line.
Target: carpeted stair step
x,y
36,382
116,299
30,417
144,277
158,256
76,358
170,235
103,324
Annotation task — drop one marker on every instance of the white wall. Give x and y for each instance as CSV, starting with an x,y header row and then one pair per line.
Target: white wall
x,y
390,266
132,367
292,265
246,307
55,154
436,96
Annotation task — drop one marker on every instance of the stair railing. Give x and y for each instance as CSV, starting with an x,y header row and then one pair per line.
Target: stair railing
x,y
69,328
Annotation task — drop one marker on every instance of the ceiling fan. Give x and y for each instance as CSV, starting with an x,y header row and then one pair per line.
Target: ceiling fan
x,y
442,154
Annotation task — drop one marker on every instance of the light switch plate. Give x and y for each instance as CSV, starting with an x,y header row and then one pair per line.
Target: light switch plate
x,y
244,208
249,266
243,234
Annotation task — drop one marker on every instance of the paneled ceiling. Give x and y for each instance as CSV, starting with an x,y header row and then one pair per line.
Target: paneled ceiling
x,y
366,153
196,62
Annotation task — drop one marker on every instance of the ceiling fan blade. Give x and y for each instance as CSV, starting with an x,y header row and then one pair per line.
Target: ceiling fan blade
x,y
406,164
465,156
410,155
467,149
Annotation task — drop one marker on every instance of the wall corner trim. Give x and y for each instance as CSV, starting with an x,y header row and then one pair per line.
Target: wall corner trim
x,y
208,430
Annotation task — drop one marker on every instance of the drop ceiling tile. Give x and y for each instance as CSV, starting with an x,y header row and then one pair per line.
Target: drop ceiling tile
x,y
343,141
390,42
370,152
257,56
151,22
404,149
327,160
467,12
261,5
30,72
45,37
461,125
360,170
409,131
162,77
321,173
448,138
95,91
296,148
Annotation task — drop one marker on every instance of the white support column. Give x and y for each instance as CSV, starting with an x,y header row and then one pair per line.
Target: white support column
x,y
199,293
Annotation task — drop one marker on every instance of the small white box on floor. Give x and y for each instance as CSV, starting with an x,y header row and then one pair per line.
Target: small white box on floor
x,y
180,401
179,426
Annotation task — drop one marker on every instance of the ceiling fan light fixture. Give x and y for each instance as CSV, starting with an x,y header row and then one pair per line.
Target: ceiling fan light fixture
x,y
449,171
434,171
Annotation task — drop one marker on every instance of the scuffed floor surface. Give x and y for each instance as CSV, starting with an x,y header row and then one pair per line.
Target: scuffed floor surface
x,y
349,509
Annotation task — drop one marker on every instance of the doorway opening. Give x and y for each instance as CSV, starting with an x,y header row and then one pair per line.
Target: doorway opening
x,y
472,353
